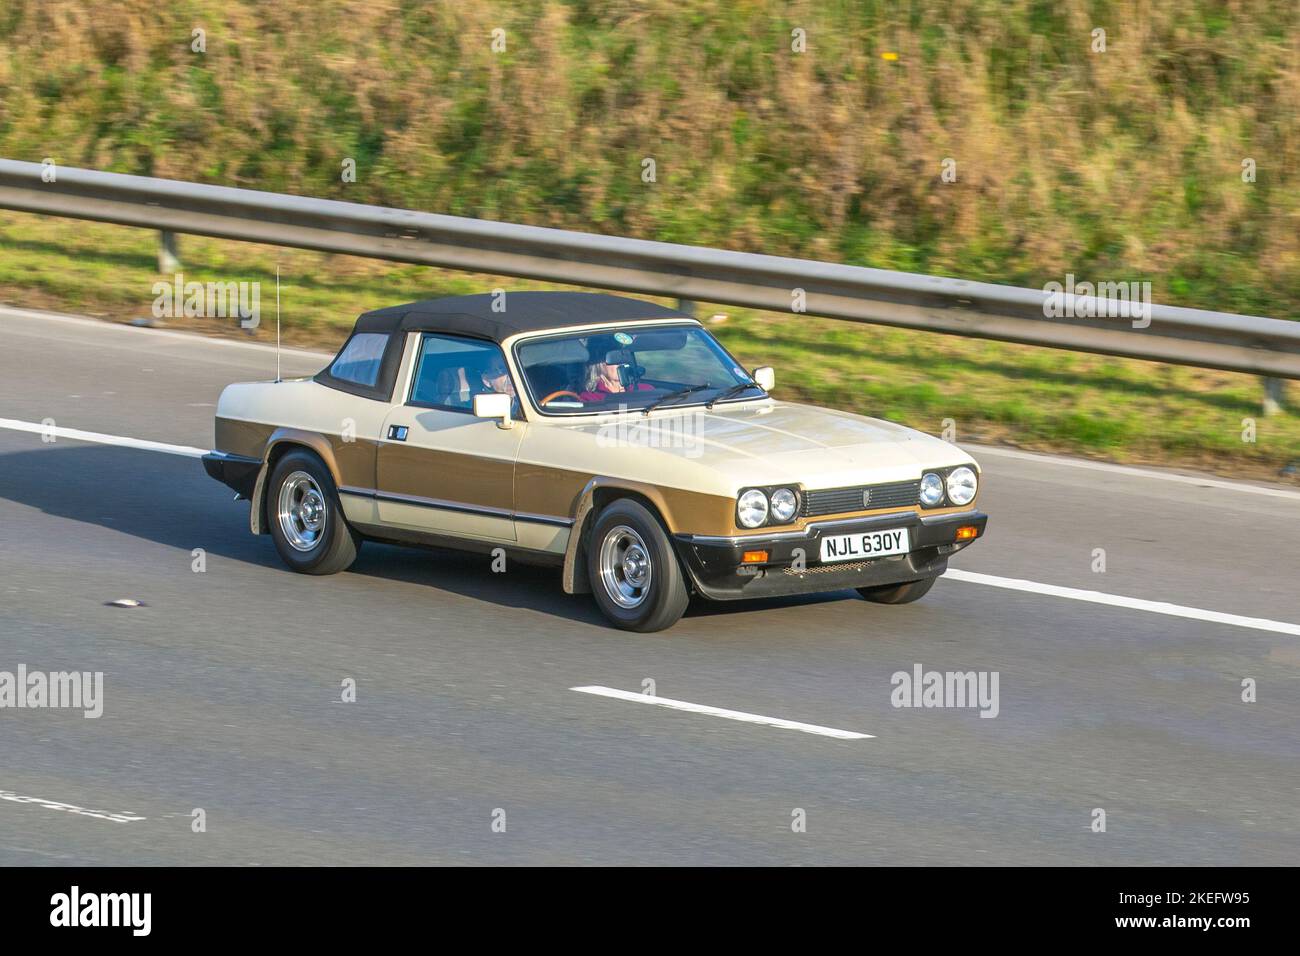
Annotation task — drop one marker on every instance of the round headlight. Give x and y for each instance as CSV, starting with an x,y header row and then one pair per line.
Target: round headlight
x,y
783,504
752,509
961,485
931,489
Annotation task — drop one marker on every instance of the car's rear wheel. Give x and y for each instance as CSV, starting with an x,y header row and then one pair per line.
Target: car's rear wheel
x,y
306,519
904,593
635,577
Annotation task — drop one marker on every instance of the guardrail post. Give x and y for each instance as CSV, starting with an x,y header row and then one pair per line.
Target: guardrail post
x,y
1272,396
687,306
169,259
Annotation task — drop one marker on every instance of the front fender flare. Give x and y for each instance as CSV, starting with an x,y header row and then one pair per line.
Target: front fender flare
x,y
574,577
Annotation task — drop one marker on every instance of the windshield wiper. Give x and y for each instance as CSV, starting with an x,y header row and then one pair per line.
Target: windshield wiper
x,y
734,390
673,396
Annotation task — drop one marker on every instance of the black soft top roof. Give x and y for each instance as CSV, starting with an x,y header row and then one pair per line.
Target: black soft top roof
x,y
524,312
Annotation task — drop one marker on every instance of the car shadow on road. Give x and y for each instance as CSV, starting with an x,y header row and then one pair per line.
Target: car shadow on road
x,y
171,501
470,575
158,497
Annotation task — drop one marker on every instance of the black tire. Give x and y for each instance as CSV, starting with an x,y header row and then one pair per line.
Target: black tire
x,y
332,547
904,593
663,598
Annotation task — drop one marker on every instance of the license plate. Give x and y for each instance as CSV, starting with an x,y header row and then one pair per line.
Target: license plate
x,y
864,544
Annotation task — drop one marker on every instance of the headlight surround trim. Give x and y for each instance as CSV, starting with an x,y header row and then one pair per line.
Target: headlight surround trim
x,y
770,517
939,477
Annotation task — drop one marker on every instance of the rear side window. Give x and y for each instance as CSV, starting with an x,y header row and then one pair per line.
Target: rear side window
x,y
452,370
361,358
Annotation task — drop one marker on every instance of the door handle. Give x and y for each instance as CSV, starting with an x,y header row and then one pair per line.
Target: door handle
x,y
397,432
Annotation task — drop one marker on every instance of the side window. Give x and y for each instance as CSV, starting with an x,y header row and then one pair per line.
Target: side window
x,y
360,359
450,371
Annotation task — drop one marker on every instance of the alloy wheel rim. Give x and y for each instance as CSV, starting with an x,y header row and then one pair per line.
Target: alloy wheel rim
x,y
302,511
626,570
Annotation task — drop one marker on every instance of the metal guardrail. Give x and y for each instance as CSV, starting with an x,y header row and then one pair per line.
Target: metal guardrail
x,y
1239,343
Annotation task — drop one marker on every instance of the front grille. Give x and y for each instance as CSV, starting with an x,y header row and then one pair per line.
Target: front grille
x,y
841,566
833,501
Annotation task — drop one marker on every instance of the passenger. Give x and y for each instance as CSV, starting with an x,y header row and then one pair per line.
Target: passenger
x,y
452,387
496,378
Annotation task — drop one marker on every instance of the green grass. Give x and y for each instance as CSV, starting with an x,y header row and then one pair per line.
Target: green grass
x,y
1044,399
1123,165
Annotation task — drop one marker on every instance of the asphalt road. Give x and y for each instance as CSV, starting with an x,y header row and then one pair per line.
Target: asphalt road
x,y
224,691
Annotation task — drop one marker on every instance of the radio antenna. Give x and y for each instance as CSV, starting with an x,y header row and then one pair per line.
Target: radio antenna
x,y
277,321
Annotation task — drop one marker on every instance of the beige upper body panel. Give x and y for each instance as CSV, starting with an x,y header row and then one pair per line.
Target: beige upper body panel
x,y
740,445
693,463
249,416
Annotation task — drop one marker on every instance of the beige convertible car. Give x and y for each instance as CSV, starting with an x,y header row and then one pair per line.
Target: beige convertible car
x,y
613,438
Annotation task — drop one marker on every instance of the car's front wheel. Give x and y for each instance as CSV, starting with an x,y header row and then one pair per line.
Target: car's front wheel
x,y
635,577
306,518
904,593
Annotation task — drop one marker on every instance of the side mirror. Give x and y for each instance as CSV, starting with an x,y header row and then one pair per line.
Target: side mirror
x,y
765,376
494,405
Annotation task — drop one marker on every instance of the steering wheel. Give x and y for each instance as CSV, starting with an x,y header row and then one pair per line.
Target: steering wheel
x,y
563,391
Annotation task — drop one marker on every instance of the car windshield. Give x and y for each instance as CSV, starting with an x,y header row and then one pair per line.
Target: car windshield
x,y
631,368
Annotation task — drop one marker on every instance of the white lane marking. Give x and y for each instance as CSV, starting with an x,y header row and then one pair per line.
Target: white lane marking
x,y
721,712
1133,472
123,817
1116,600
195,338
77,434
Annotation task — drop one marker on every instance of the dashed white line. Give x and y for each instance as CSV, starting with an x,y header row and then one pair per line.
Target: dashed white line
x,y
722,712
122,817
76,434
1117,600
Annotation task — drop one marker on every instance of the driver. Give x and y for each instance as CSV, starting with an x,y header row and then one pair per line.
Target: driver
x,y
602,376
